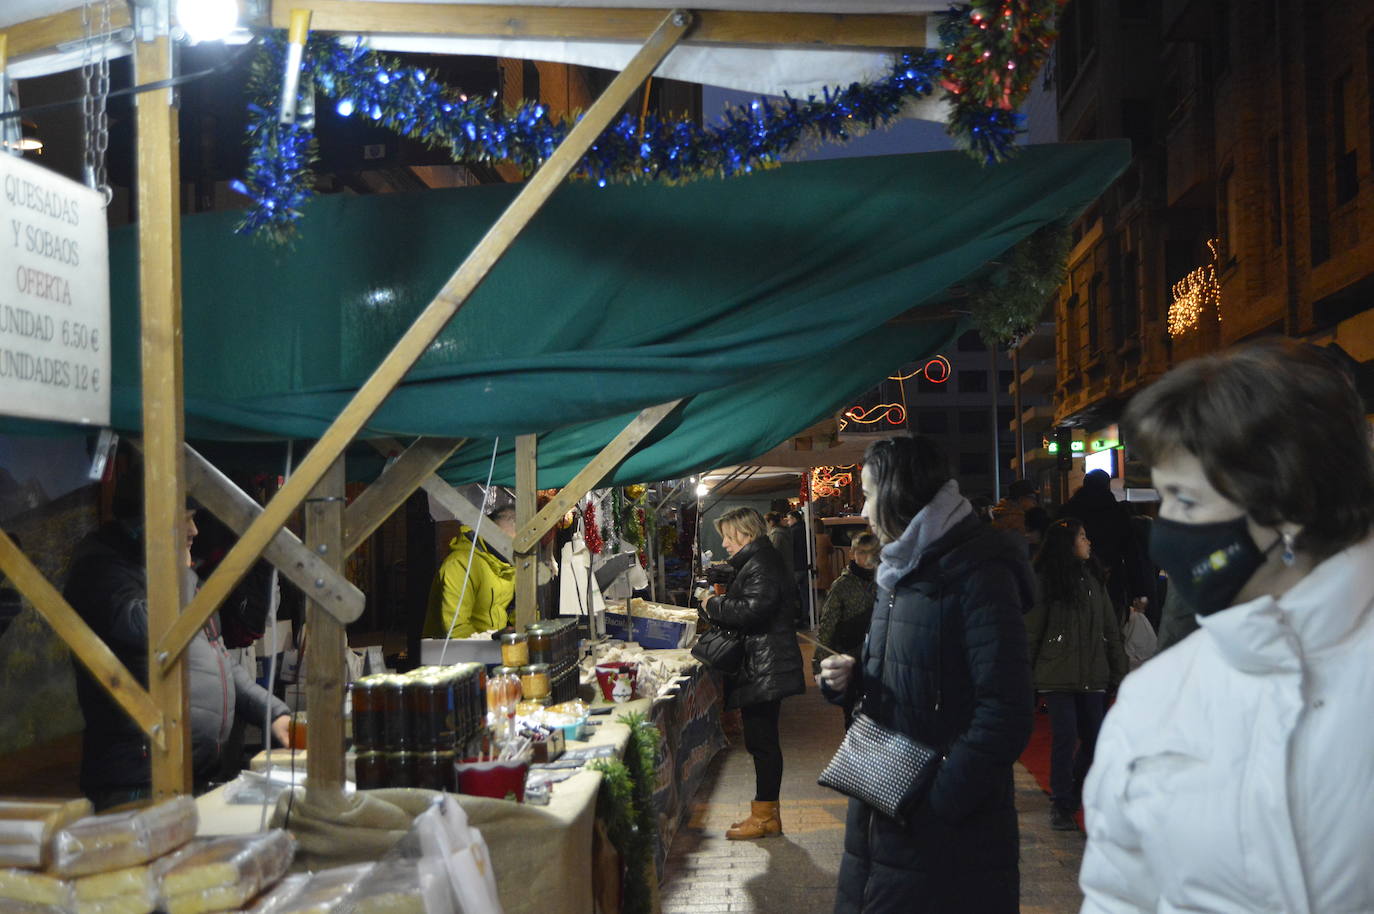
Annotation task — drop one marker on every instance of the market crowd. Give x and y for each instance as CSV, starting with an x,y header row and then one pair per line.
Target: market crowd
x,y
1204,666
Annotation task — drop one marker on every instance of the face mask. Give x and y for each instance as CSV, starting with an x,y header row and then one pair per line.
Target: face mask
x,y
1207,563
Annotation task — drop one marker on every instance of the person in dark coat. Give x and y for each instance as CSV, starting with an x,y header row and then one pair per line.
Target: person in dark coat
x,y
762,603
1076,656
1109,527
107,585
848,607
945,663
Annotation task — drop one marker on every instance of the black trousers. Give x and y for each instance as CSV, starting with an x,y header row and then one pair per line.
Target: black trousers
x,y
761,740
1075,719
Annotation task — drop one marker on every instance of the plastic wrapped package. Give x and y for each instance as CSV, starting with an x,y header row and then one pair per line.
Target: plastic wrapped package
x,y
320,893
100,844
272,899
28,907
133,903
128,891
35,888
27,827
397,886
220,874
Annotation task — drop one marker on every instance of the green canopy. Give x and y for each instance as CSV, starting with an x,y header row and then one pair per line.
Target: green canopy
x,y
765,299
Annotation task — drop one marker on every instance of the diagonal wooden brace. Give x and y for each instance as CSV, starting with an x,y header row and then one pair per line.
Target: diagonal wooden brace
x,y
456,503
391,489
114,677
592,474
412,345
308,571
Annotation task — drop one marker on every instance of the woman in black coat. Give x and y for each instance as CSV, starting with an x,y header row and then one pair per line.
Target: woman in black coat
x,y
945,663
762,603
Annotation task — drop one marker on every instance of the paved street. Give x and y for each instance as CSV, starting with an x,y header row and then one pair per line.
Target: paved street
x,y
796,873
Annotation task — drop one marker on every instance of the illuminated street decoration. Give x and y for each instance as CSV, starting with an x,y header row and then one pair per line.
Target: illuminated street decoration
x,y
892,413
936,371
826,481
1193,294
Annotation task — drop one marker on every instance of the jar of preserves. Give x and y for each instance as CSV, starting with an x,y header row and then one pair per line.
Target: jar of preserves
x,y
541,644
534,680
368,732
515,649
432,720
369,770
395,713
401,769
434,770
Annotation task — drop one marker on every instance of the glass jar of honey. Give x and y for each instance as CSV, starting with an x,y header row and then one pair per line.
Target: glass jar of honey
x,y
534,680
367,713
369,770
515,649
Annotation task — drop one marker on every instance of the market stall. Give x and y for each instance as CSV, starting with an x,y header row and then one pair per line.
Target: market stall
x,y
366,340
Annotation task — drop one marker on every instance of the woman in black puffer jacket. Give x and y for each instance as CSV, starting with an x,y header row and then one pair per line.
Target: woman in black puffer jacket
x,y
762,603
945,663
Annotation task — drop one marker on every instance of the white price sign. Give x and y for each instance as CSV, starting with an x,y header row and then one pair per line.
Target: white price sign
x,y
54,297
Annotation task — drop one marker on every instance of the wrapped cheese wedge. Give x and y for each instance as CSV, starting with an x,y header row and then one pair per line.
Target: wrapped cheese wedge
x,y
132,903
27,827
36,888
132,880
321,893
100,844
218,874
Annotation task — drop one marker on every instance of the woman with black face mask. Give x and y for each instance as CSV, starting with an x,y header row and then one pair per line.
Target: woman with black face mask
x,y
1233,772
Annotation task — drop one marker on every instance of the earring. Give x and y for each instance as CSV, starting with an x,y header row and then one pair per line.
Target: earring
x,y
1288,557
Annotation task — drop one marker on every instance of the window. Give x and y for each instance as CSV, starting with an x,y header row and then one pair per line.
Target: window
x,y
1228,239
1137,123
1347,179
926,386
973,382
971,342
1094,315
932,422
1126,300
973,421
1004,414
1221,38
972,463
1004,381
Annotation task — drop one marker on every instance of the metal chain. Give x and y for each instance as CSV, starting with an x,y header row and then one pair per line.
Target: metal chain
x,y
95,80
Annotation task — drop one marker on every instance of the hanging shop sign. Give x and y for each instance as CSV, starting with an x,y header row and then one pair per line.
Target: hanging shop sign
x,y
54,297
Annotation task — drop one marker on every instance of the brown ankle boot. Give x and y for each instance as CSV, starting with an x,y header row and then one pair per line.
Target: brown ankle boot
x,y
763,821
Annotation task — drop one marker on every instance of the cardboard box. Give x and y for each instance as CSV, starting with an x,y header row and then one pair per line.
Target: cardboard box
x,y
654,634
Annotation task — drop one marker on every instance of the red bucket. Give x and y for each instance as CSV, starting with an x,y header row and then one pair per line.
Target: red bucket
x,y
499,780
606,674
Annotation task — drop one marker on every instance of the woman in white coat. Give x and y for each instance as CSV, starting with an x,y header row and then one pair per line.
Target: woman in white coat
x,y
1233,774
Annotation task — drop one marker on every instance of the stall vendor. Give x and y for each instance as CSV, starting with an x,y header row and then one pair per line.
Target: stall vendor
x,y
480,597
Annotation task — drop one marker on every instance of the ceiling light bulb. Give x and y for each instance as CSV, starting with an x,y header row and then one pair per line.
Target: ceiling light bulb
x,y
207,20
702,489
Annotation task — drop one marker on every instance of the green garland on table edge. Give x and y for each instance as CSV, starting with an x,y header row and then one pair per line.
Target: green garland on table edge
x,y
626,805
990,51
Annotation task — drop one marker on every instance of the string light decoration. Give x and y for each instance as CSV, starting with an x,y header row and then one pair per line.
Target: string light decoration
x,y
893,413
1194,294
940,375
827,481
989,55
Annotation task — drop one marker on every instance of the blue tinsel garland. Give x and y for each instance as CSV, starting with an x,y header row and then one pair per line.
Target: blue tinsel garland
x,y
410,102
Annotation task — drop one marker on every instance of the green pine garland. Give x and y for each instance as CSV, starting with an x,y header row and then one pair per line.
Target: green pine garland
x,y
626,805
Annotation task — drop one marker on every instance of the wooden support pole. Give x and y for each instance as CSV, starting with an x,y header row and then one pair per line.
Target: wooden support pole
x,y
164,482
85,644
606,24
530,532
423,331
526,573
47,32
390,490
324,662
456,504
312,574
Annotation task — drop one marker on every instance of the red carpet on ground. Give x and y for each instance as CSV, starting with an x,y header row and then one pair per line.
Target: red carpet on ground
x,y
1036,757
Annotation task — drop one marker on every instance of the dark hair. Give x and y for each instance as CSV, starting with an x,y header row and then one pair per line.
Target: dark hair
x,y
866,543
1278,428
1037,519
1060,571
505,512
906,474
1021,488
772,518
795,515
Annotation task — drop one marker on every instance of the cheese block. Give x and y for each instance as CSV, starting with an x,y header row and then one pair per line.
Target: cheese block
x,y
272,900
325,891
38,888
27,826
128,881
99,844
228,871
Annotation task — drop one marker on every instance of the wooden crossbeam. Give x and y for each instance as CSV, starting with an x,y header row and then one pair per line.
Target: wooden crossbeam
x,y
114,677
456,504
390,490
591,475
316,578
603,24
526,492
423,331
48,33
325,678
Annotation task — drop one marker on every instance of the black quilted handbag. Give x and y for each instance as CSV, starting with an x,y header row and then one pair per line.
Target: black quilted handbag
x,y
886,769
720,649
